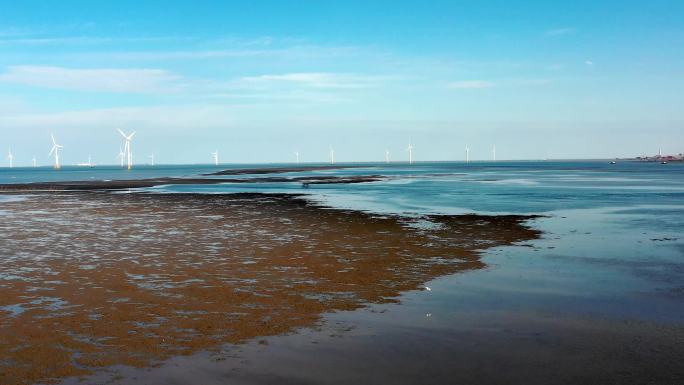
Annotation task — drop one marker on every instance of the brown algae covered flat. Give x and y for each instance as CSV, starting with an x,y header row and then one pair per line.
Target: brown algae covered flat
x,y
92,280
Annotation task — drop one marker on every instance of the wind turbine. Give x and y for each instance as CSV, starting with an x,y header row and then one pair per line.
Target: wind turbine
x,y
467,154
332,155
151,156
387,156
34,161
494,153
410,151
215,156
55,149
127,147
11,158
296,153
121,156
89,163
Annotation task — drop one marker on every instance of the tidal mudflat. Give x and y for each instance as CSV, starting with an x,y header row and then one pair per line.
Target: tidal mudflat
x,y
563,273
91,281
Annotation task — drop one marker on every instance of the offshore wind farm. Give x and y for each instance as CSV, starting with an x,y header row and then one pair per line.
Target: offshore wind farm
x,y
125,156
335,192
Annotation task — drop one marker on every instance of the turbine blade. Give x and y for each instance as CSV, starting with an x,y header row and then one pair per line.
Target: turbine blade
x,y
121,132
130,137
53,150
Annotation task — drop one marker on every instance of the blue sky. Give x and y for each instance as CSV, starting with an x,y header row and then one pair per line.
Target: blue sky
x,y
259,80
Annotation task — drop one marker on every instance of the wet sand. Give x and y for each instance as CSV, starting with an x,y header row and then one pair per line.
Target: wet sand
x,y
91,281
488,348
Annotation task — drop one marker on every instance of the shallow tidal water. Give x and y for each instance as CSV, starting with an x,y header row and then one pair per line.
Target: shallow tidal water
x,y
597,298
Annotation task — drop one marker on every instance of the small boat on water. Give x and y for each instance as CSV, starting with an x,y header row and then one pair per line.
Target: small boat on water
x,y
613,162
663,162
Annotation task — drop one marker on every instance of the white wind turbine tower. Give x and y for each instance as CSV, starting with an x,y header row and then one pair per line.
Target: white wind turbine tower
x,y
127,147
467,154
55,149
214,155
11,158
89,163
296,153
151,156
494,153
121,156
387,155
332,155
410,151
34,161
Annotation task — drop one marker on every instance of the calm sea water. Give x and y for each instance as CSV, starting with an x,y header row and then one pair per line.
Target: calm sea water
x,y
613,234
445,187
612,254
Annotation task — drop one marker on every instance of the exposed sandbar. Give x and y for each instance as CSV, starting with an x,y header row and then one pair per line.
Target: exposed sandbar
x,y
111,185
278,170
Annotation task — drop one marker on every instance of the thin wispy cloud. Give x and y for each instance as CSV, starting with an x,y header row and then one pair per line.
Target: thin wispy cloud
x,y
471,84
8,37
297,52
97,80
500,83
142,117
528,82
12,32
303,86
80,40
46,31
295,97
589,62
11,104
313,80
560,32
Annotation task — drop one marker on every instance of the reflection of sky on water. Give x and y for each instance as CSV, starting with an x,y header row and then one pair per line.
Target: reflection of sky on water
x,y
612,241
515,187
607,264
592,261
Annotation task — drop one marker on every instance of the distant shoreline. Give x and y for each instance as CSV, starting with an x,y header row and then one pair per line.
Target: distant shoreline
x,y
113,185
269,168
